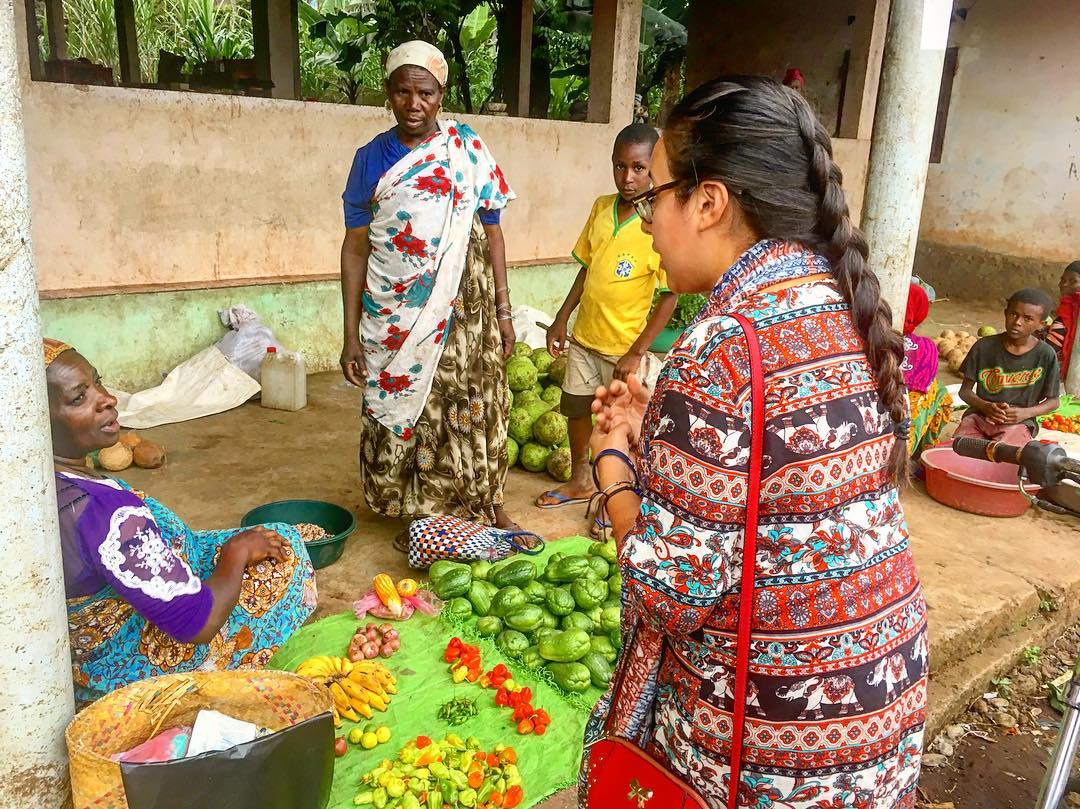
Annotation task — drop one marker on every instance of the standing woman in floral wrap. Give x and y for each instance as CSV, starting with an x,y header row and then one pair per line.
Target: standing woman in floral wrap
x,y
427,307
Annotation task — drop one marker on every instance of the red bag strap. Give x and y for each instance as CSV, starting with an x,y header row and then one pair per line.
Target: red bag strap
x,y
749,564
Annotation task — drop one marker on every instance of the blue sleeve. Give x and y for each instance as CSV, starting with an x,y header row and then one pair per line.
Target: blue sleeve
x,y
363,178
491,217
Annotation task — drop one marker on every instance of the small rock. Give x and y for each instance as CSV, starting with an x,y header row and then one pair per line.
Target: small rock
x,y
981,706
1000,703
1026,684
955,732
944,746
934,760
1003,719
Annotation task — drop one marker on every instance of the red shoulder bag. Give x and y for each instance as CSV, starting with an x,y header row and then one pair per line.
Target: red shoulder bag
x,y
623,776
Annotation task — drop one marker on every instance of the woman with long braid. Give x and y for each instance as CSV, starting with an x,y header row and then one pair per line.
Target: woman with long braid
x,y
748,206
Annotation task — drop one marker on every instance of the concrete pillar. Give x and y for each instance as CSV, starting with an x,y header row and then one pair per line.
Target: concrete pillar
x,y
864,71
276,30
1072,379
918,32
127,38
36,701
518,58
613,60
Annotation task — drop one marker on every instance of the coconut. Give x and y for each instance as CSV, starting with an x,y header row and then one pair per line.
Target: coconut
x,y
131,440
148,455
955,358
116,458
948,334
963,335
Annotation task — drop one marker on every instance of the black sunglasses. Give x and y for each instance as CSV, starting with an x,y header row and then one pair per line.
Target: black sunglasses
x,y
643,203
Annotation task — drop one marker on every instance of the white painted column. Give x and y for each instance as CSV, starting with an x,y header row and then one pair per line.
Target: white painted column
x,y
35,671
915,44
1072,379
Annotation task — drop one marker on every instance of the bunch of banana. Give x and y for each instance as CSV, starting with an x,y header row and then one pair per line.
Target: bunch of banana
x,y
356,688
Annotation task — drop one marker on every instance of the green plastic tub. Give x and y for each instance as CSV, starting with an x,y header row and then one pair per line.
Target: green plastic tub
x,y
335,520
665,340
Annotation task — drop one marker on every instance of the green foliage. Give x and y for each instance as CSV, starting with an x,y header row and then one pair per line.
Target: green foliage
x,y
1032,655
1003,685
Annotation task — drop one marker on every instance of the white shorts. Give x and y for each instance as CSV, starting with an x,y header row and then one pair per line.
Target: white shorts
x,y
586,370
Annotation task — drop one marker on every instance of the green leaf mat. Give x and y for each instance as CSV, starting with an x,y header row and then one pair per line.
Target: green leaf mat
x,y
548,763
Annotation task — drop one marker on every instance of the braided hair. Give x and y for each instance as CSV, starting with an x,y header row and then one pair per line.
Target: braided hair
x,y
765,144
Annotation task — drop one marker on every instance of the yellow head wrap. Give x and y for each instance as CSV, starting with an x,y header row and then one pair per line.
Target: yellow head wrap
x,y
53,349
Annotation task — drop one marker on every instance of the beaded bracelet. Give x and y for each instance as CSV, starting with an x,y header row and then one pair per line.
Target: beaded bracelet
x,y
622,456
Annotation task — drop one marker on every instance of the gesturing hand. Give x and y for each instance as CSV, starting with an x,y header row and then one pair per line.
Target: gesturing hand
x,y
619,409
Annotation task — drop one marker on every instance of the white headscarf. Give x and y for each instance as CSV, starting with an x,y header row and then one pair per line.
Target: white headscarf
x,y
418,54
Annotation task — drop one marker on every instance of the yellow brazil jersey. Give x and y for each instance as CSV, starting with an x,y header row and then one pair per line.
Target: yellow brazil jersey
x,y
622,273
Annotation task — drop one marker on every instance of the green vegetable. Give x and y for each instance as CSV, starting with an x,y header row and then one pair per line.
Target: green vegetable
x,y
566,646
452,583
480,570
599,669
589,593
532,659
569,568
458,711
410,801
512,642
513,449
434,799
578,620
467,797
520,374
686,309
559,601
570,676
548,619
599,567
525,618
506,599
535,592
543,632
595,614
518,573
608,551
602,645
442,567
379,798
489,626
614,585
535,457
609,619
480,595
616,639
550,429
459,608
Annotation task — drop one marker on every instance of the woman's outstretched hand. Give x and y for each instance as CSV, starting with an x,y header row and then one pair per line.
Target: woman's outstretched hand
x,y
619,409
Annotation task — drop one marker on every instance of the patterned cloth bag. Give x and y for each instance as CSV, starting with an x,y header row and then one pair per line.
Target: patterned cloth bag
x,y
446,537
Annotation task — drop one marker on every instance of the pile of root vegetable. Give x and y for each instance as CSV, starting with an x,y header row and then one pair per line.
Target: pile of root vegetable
x,y
953,347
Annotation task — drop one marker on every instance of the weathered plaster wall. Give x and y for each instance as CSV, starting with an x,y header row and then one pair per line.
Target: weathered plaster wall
x,y
1002,209
765,38
134,338
146,187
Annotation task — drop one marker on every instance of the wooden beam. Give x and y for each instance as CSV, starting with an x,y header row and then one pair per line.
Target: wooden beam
x,y
276,31
54,17
613,60
518,59
33,33
864,70
127,38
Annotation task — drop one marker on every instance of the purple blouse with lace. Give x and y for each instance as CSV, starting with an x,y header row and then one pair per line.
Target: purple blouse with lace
x,y
109,540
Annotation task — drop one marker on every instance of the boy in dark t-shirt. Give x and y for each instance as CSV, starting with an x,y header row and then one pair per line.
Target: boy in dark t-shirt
x,y
1011,378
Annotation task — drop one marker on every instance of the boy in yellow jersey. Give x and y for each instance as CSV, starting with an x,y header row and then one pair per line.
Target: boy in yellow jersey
x,y
620,272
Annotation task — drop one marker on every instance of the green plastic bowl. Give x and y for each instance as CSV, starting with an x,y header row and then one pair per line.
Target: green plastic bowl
x,y
335,520
665,340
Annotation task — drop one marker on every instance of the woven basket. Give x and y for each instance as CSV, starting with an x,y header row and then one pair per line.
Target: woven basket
x,y
132,715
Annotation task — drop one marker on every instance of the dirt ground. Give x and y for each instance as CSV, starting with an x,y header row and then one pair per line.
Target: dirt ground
x,y
983,578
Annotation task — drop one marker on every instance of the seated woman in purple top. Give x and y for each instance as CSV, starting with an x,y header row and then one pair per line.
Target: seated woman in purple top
x,y
146,595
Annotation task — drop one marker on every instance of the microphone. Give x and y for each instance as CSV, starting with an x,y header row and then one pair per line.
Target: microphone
x,y
1045,464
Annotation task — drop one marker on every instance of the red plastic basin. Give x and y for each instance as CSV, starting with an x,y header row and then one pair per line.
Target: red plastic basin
x,y
973,485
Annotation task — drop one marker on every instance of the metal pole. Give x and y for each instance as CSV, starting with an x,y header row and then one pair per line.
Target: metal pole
x,y
918,32
36,699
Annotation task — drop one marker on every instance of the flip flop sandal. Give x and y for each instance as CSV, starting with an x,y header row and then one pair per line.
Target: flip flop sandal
x,y
599,529
561,500
401,542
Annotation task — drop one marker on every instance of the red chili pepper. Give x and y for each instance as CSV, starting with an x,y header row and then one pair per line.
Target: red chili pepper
x,y
526,694
542,714
539,729
476,779
509,755
492,760
525,726
480,756
502,698
422,742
